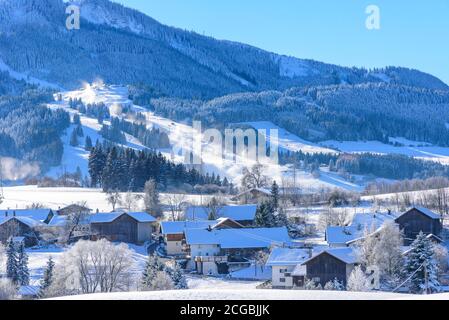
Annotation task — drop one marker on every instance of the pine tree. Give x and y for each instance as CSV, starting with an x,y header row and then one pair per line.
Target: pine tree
x,y
151,199
48,275
11,262
422,267
275,195
88,144
265,215
74,139
80,131
152,267
177,276
23,274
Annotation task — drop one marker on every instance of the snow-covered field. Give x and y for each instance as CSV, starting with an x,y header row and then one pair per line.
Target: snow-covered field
x,y
20,197
419,150
254,294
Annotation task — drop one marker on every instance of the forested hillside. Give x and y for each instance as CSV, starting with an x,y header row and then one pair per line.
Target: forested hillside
x,y
344,112
123,46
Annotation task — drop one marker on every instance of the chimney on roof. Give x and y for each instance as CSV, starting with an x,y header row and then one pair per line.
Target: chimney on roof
x,y
14,213
6,213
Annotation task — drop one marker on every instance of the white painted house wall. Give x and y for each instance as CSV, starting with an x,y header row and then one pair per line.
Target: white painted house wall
x,y
281,276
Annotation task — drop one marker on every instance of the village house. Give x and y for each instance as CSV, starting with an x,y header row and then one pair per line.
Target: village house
x,y
243,214
417,220
338,237
283,262
173,232
73,208
129,227
23,227
330,264
214,252
41,215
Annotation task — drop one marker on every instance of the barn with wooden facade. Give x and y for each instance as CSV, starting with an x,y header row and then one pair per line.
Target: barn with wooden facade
x,y
129,227
335,263
418,220
13,226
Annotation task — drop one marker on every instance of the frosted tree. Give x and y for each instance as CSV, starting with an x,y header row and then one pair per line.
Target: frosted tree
x,y
94,266
382,249
358,281
7,289
2,258
151,199
74,139
48,275
11,261
177,277
312,285
442,257
23,274
152,267
421,266
265,215
162,281
334,285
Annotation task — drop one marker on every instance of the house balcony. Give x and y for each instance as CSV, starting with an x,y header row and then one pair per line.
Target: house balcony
x,y
216,259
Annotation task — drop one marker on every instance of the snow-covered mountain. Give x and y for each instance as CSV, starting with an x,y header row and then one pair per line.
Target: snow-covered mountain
x,y
123,46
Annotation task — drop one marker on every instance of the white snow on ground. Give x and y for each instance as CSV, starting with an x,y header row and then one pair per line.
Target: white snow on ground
x,y
287,140
412,149
37,260
23,196
252,273
248,295
204,283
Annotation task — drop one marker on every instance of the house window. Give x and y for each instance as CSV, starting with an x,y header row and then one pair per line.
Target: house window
x,y
282,280
282,270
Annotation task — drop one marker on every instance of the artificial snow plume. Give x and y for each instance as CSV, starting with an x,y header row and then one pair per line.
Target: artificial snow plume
x,y
14,169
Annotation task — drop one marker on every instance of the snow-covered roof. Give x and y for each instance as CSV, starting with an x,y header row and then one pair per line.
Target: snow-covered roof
x,y
343,235
178,227
372,220
36,214
300,270
222,221
237,213
238,238
287,257
25,220
57,221
427,212
347,255
142,217
29,290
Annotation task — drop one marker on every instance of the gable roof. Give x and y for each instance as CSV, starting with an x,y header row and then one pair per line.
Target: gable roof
x,y
25,220
343,235
287,257
178,227
141,217
236,213
428,212
347,255
36,214
238,238
221,222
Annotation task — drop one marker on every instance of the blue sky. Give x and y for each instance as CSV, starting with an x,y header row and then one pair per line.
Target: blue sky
x,y
413,34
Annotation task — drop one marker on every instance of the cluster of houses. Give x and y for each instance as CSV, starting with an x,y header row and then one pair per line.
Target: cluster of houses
x,y
129,227
337,259
229,242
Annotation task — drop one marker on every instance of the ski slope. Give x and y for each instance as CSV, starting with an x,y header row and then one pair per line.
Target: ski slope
x,y
287,141
182,137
